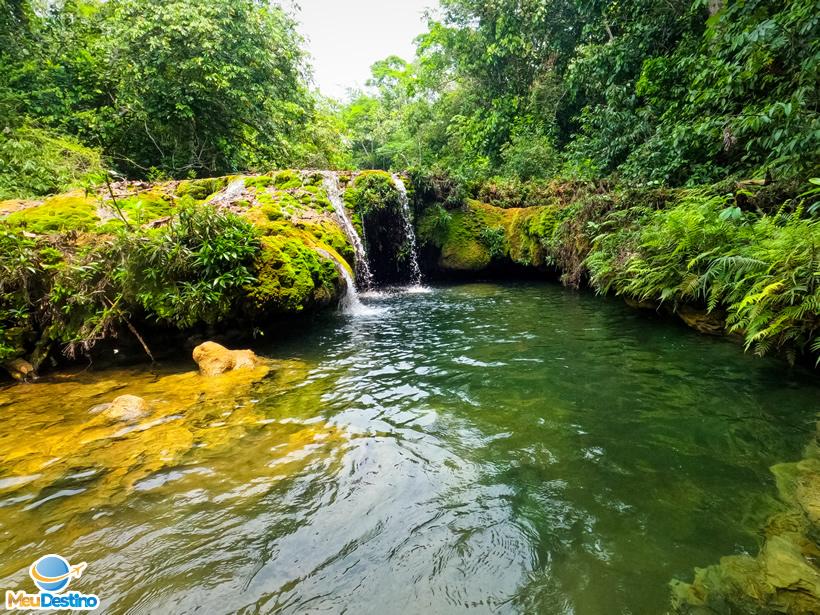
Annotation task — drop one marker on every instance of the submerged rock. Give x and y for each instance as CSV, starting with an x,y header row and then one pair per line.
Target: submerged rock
x,y
20,369
214,359
702,321
126,408
640,304
784,577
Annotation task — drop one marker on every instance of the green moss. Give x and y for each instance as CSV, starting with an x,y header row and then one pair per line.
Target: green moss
x,y
74,211
313,181
201,189
477,234
287,180
528,231
370,192
462,249
328,233
147,206
291,274
258,181
284,197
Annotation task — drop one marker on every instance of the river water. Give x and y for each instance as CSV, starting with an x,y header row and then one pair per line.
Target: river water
x,y
482,447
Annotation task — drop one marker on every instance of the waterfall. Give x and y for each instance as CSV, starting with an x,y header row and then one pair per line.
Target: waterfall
x,y
350,302
415,272
334,193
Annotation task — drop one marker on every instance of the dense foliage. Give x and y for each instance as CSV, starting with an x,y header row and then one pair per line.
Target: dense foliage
x,y
176,88
745,258
678,92
74,294
761,270
559,118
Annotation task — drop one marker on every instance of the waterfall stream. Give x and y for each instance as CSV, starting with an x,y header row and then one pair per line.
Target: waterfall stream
x,y
415,271
334,193
350,302
228,194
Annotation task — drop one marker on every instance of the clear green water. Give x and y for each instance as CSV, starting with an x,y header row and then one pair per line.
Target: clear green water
x,y
491,448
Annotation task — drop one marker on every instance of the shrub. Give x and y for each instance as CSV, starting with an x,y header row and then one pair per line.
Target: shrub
x,y
24,262
372,191
192,270
36,162
762,270
493,239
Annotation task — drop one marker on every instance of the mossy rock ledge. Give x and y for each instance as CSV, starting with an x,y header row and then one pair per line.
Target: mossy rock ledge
x,y
691,253
300,246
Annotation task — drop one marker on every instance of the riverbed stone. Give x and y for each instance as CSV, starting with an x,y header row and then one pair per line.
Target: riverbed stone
x,y
784,577
214,359
127,408
703,321
20,369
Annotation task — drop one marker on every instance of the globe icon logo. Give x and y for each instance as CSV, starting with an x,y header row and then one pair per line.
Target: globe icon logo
x,y
52,573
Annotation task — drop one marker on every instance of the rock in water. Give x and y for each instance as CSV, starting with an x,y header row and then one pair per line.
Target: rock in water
x,y
20,369
703,321
784,577
126,408
214,359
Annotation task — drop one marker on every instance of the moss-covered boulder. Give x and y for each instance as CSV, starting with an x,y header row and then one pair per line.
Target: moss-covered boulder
x,y
477,236
73,211
200,189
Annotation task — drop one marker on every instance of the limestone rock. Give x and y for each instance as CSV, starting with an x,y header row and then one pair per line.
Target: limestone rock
x,y
127,408
640,304
214,359
807,493
20,369
785,575
711,323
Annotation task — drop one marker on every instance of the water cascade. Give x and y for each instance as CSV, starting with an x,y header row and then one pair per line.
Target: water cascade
x,y
350,303
334,193
415,271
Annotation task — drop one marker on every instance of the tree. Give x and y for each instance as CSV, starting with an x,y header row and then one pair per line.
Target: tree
x,y
202,88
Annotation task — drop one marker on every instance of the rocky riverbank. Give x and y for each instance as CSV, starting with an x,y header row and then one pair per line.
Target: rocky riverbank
x,y
177,259
737,258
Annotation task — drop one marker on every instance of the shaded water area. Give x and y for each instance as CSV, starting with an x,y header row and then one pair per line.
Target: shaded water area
x,y
483,447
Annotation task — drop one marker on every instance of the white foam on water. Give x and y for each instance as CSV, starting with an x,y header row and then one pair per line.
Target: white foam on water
x,y
417,289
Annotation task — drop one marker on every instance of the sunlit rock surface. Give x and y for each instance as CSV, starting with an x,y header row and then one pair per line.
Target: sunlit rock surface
x,y
95,452
784,577
127,408
214,359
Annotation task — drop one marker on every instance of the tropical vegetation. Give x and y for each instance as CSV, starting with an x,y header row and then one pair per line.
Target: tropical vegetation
x,y
665,152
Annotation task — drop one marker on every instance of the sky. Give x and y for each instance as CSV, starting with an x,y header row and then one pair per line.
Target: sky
x,y
344,37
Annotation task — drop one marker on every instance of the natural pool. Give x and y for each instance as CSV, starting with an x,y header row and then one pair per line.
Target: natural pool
x,y
483,447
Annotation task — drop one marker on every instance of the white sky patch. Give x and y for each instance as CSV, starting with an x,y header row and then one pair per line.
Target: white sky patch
x,y
344,37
